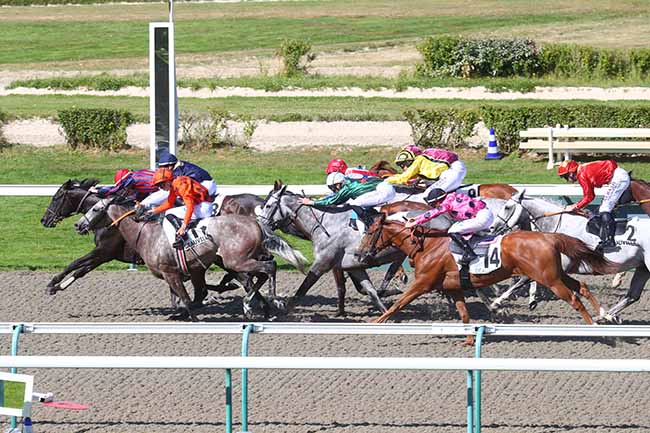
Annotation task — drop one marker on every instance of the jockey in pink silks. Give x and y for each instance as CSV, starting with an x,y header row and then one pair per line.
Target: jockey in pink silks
x,y
471,215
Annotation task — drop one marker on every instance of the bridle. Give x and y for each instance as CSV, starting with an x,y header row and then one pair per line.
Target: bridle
x,y
375,234
286,219
61,200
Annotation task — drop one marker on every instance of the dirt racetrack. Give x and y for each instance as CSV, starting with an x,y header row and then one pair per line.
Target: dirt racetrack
x,y
128,401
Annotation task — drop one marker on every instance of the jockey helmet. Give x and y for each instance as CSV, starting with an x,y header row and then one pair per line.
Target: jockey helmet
x,y
161,175
415,150
166,158
336,165
120,175
568,166
404,158
434,196
334,179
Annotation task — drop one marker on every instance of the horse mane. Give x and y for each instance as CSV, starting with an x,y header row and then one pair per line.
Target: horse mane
x,y
88,183
382,165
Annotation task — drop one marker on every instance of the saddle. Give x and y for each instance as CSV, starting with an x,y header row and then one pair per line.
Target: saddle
x,y
479,242
191,233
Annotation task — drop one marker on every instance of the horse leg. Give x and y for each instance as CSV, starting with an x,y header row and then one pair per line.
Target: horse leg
x,y
339,279
360,278
532,295
555,282
581,288
176,284
393,270
640,277
508,293
200,287
421,285
618,280
461,307
82,266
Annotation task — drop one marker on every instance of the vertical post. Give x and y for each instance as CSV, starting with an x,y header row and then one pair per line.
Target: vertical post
x,y
470,402
18,329
244,379
477,381
551,161
163,113
228,401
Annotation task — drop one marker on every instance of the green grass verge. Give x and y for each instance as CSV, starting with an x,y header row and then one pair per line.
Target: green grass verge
x,y
25,41
34,247
274,83
272,108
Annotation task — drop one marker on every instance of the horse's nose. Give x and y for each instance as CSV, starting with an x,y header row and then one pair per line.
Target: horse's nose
x,y
258,211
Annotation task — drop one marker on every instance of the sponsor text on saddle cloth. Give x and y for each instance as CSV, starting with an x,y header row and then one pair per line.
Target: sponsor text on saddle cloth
x,y
488,250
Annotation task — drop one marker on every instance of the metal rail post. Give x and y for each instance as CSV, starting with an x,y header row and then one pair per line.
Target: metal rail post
x,y
477,380
470,402
18,329
244,379
228,400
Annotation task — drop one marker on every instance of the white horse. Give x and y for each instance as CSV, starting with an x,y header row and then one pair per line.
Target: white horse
x,y
632,249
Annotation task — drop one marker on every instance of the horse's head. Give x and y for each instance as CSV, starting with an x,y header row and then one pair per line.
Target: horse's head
x,y
276,213
68,200
97,216
368,247
511,213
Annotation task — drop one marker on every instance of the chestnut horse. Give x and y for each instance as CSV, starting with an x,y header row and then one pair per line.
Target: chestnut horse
x,y
534,254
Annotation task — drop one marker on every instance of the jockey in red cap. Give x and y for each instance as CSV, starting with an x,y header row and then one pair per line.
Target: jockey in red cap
x,y
595,175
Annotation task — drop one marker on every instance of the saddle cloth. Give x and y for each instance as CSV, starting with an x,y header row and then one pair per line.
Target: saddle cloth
x,y
488,250
470,190
218,202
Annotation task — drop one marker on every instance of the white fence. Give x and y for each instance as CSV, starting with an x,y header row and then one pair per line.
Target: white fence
x,y
310,190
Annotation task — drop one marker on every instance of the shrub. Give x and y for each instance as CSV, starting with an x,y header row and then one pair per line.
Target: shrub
x,y
214,130
296,56
95,127
441,128
430,126
455,57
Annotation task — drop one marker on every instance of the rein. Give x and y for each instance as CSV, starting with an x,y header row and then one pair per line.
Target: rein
x,y
117,221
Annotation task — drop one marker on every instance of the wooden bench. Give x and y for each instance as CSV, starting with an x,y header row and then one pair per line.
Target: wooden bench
x,y
584,140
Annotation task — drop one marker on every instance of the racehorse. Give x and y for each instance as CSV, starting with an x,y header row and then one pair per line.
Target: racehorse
x,y
334,243
535,254
632,251
234,242
75,196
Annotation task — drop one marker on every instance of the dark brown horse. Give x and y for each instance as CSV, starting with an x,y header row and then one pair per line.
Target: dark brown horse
x,y
641,194
534,254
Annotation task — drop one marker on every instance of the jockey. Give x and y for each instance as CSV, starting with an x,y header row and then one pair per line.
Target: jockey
x,y
336,165
356,173
472,215
439,168
594,175
135,183
180,168
198,204
371,192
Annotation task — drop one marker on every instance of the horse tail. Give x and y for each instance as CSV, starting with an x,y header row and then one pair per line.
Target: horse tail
x,y
278,246
579,253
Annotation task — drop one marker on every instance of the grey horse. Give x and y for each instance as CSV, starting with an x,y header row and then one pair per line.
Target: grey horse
x,y
235,243
632,250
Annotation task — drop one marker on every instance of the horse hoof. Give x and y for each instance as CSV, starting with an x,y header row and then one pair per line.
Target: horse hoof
x,y
404,278
179,317
211,300
532,305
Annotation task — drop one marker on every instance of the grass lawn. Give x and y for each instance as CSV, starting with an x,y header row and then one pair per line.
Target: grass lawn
x,y
115,33
269,108
34,247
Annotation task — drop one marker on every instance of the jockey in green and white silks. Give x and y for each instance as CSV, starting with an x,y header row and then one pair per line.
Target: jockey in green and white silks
x,y
364,192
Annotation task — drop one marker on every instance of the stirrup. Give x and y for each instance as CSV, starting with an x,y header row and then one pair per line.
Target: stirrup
x,y
179,243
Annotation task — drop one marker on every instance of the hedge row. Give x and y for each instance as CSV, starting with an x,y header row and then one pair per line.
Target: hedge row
x,y
3,119
95,127
452,127
447,56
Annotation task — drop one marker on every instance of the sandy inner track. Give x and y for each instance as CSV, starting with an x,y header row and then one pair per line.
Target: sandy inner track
x,y
312,401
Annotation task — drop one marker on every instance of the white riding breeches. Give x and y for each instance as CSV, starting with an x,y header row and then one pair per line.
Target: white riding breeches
x,y
156,198
382,194
620,182
450,179
482,221
201,210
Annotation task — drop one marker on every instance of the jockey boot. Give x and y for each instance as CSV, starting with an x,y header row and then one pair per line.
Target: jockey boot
x,y
607,231
469,253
